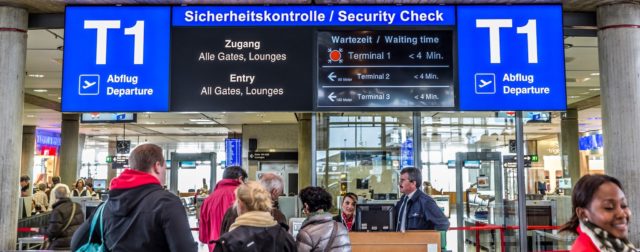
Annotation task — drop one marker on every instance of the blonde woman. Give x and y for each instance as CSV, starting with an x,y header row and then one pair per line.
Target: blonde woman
x,y
255,229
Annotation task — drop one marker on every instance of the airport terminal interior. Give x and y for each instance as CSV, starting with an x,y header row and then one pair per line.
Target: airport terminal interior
x,y
468,159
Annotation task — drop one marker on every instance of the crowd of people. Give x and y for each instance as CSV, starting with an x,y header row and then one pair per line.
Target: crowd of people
x,y
241,215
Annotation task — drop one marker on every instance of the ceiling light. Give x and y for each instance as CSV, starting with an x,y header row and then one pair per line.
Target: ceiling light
x,y
36,75
200,120
586,79
30,116
209,122
574,96
595,74
266,121
40,90
594,89
59,98
584,93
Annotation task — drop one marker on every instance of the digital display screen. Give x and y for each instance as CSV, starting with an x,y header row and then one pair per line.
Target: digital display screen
x,y
385,69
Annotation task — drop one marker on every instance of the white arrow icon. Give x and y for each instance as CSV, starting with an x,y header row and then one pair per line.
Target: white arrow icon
x,y
331,97
411,56
332,76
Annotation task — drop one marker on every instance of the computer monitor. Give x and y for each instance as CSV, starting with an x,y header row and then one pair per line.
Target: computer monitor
x,y
99,184
374,217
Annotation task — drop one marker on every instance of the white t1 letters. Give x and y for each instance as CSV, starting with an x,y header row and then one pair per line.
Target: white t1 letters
x,y
102,26
101,43
494,26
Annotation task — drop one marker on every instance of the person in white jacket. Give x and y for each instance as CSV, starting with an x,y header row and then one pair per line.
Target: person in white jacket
x,y
52,196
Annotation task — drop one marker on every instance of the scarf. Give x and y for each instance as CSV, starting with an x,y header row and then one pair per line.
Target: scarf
x,y
607,242
254,219
347,221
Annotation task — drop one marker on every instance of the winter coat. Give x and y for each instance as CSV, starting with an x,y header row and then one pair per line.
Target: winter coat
x,y
315,233
213,209
422,213
60,238
232,213
141,216
259,233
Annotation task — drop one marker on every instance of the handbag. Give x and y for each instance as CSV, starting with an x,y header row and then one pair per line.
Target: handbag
x,y
90,246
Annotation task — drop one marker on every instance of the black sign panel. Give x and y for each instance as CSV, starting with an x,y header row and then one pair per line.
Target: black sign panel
x,y
372,70
241,69
266,156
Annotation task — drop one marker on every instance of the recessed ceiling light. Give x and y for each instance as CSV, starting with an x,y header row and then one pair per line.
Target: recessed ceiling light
x,y
586,79
36,75
40,90
200,120
209,122
266,121
584,93
574,96
59,98
595,74
31,116
594,89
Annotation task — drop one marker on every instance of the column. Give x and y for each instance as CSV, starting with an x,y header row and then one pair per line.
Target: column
x,y
569,146
112,173
69,148
13,39
619,51
28,148
304,150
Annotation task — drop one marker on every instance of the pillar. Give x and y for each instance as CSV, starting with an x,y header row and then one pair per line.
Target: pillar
x,y
304,150
619,51
569,146
112,173
69,155
13,40
28,148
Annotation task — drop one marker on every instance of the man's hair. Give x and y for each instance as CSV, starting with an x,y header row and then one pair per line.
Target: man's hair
x,y
272,181
234,172
25,178
61,192
414,175
143,157
42,187
55,180
254,197
316,198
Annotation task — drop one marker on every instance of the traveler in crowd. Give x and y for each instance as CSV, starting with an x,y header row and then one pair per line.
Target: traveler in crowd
x,y
40,199
347,210
79,190
90,192
139,215
52,196
65,219
255,229
319,232
600,215
214,206
415,210
275,186
24,185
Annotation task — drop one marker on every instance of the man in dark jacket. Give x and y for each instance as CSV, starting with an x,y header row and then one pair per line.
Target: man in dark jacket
x,y
416,210
140,215
65,219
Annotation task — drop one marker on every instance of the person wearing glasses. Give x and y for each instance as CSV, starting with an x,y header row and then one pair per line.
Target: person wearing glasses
x,y
347,210
417,210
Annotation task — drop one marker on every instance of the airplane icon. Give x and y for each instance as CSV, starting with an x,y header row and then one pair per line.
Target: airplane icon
x,y
484,83
88,84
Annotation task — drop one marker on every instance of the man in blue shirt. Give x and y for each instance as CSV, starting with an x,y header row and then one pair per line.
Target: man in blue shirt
x,y
416,210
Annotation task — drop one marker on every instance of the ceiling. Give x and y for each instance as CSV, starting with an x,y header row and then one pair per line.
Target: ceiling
x,y
57,6
44,73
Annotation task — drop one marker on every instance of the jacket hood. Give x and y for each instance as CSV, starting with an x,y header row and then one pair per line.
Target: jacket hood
x,y
227,183
129,189
132,178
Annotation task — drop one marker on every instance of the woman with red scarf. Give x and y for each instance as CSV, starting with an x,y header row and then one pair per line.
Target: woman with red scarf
x,y
348,210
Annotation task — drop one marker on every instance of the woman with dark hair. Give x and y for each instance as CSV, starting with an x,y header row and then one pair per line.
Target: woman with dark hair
x,y
79,190
600,215
347,210
319,232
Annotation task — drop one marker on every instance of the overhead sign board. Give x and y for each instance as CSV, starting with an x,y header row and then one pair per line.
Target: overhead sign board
x,y
391,69
511,58
313,15
116,59
241,69
233,149
107,117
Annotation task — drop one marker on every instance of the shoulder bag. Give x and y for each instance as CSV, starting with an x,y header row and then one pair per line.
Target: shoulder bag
x,y
95,247
332,237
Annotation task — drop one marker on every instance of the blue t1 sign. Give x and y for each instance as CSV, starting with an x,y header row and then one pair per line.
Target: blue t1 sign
x,y
116,59
511,58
